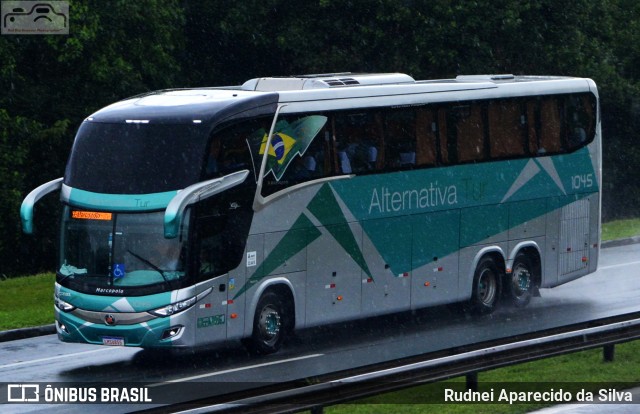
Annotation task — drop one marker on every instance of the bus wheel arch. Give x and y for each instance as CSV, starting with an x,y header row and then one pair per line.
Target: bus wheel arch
x,y
525,276
273,320
487,283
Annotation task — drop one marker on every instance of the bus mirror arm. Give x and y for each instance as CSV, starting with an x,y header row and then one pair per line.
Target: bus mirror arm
x,y
194,193
29,202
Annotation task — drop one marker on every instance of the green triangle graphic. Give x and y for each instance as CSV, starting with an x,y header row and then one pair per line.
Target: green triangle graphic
x,y
325,208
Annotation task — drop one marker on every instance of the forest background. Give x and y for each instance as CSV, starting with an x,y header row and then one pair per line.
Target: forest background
x,y
119,48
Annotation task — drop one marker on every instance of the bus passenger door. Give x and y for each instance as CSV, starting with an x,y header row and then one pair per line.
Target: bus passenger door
x,y
387,248
222,225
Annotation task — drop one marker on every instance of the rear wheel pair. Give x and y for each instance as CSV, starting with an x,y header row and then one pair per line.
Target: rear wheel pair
x,y
488,284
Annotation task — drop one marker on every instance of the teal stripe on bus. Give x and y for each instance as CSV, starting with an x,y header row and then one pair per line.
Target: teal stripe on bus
x,y
120,202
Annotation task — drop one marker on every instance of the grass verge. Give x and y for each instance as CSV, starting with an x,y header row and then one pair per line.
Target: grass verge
x,y
620,229
26,301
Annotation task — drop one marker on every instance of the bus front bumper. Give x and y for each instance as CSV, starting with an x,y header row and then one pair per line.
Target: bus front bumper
x,y
156,332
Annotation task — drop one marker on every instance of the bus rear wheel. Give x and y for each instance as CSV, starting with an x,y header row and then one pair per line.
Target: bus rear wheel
x,y
269,325
520,282
486,287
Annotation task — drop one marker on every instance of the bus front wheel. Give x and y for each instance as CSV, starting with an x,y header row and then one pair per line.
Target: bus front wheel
x,y
486,286
269,325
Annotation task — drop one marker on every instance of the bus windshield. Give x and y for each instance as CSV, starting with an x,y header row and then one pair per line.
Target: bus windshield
x,y
114,253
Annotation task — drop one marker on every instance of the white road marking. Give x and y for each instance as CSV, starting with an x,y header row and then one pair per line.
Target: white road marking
x,y
35,361
212,374
618,265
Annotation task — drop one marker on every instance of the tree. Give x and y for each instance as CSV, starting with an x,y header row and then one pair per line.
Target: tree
x,y
115,49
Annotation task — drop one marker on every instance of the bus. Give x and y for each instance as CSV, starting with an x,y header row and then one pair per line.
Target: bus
x,y
242,213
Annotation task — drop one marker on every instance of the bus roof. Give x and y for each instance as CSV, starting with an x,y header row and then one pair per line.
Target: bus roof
x,y
324,92
175,106
396,90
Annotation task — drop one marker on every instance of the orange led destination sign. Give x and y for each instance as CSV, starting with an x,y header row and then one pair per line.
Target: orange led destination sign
x,y
90,215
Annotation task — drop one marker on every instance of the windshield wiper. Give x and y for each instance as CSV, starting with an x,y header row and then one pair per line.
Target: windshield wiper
x,y
151,265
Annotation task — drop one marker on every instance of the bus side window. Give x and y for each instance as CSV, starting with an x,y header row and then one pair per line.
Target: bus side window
x,y
230,149
506,124
374,130
297,155
222,229
400,151
234,154
210,255
580,116
307,166
426,130
469,132
356,138
533,127
551,125
443,140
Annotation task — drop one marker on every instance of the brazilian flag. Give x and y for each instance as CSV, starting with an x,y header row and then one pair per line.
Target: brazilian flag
x,y
288,140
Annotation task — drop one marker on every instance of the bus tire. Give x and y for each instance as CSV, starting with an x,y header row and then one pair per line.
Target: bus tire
x,y
486,286
520,284
269,325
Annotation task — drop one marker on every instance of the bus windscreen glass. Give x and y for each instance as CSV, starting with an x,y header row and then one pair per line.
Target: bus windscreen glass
x,y
135,158
125,251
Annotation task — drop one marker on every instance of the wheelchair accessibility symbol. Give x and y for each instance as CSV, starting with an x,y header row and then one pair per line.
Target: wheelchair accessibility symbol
x,y
118,270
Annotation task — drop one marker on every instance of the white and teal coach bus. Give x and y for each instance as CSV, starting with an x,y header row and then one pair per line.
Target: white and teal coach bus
x,y
198,216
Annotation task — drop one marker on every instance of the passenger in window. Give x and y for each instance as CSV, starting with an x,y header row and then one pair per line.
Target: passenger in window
x,y
345,163
406,155
372,157
363,154
309,163
407,159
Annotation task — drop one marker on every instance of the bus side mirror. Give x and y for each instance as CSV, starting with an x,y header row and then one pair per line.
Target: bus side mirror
x,y
26,209
194,193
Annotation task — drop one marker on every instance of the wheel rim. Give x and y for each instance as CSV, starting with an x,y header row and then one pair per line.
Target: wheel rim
x,y
487,287
269,325
521,280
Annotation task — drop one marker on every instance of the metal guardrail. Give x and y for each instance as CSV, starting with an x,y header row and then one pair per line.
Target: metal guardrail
x,y
317,392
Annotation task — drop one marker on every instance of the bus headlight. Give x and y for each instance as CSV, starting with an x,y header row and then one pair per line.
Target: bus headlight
x,y
62,305
174,308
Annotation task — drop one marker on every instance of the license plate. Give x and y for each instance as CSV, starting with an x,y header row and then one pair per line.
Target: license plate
x,y
112,341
